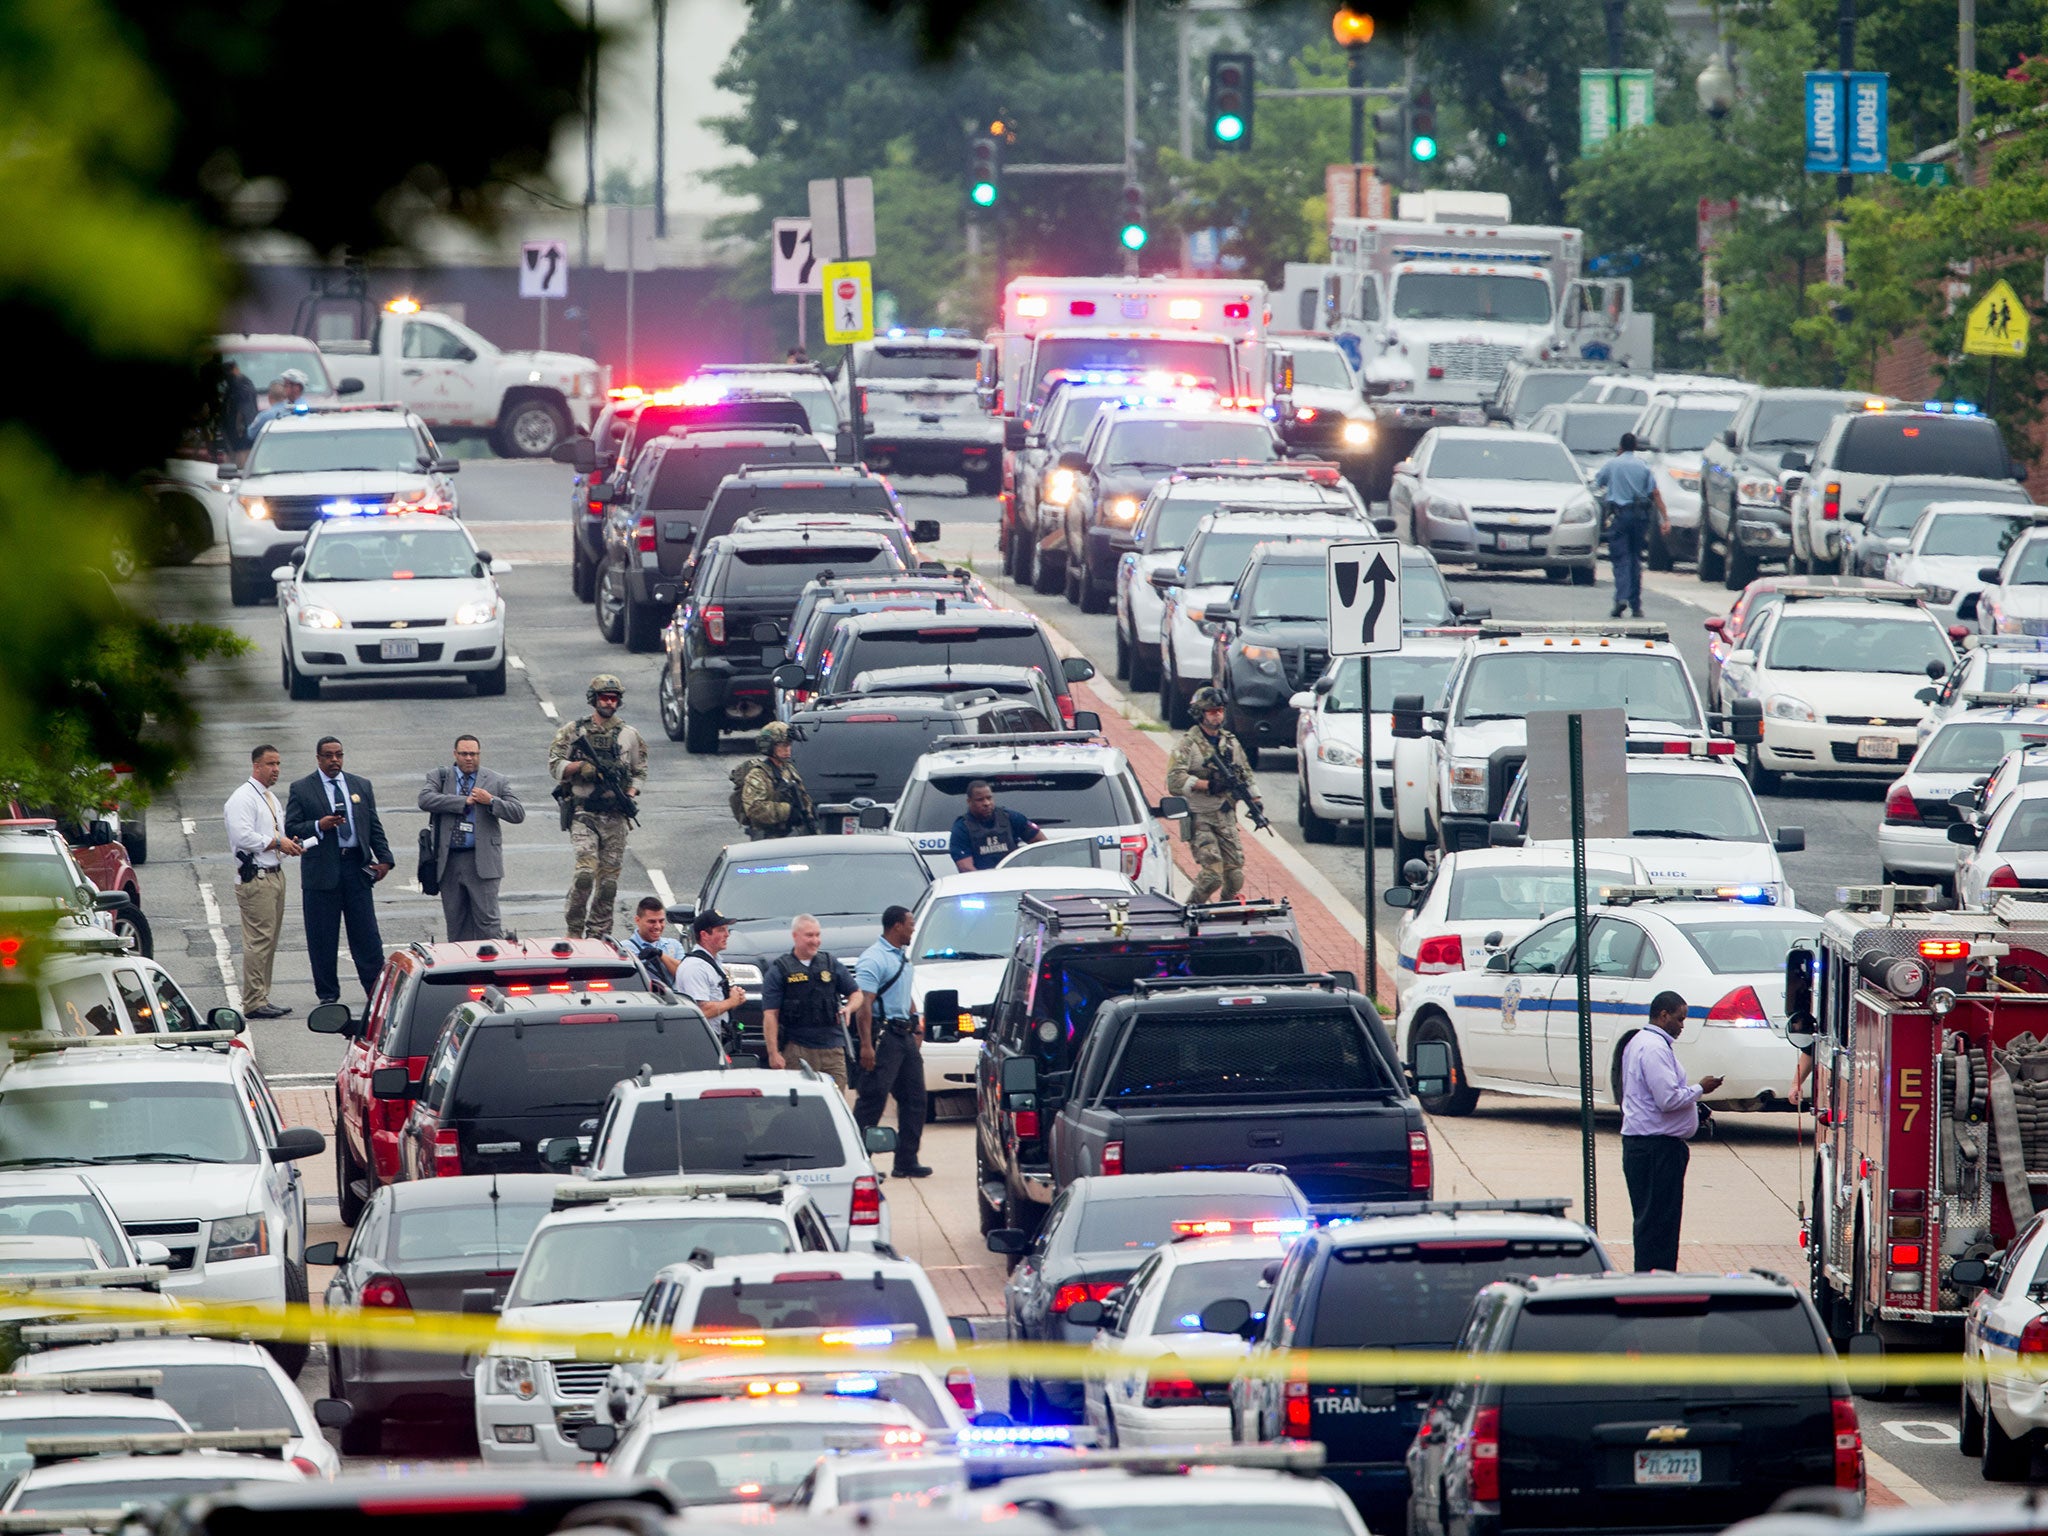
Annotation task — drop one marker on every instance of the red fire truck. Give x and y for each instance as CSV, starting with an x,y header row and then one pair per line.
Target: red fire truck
x,y
1922,1166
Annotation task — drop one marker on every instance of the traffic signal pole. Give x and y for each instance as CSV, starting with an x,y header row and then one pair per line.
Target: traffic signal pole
x,y
1356,82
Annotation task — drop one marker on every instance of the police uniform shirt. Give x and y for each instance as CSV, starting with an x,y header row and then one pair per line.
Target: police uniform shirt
x,y
805,995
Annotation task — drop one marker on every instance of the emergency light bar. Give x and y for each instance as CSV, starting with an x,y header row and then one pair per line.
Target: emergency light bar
x,y
1540,1205
1714,746
33,1521
1883,898
1303,1460
1621,629
74,1279
1875,592
1002,741
830,1383
864,1336
1283,1226
2005,642
976,1436
169,1443
33,1044
575,1192
50,1335
2005,700
895,1435
1630,895
83,1381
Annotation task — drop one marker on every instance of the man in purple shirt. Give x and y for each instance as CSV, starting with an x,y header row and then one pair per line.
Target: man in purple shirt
x,y
1659,1113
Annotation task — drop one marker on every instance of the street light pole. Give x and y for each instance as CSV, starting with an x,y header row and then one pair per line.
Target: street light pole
x,y
1966,99
1130,114
1617,12
1356,80
1845,33
661,119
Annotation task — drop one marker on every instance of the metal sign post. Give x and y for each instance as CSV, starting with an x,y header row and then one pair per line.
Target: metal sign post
x,y
1365,620
1574,729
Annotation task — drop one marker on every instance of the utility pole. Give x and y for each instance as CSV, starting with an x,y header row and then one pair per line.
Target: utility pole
x,y
661,119
1355,57
1131,114
1966,100
1617,12
589,123
1184,26
1845,32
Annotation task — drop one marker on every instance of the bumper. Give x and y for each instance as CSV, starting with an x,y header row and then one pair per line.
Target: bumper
x,y
530,1432
1921,850
1105,542
1763,529
388,1384
1510,549
1336,792
743,695
916,453
2021,1404
1264,718
1193,654
1793,747
1755,1064
261,547
1147,609
1681,510
363,652
260,1279
955,1057
1143,1429
1375,1487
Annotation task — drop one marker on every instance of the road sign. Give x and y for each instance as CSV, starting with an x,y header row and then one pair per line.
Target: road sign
x,y
544,269
792,263
628,239
1917,175
1365,597
1998,324
849,302
1603,743
856,242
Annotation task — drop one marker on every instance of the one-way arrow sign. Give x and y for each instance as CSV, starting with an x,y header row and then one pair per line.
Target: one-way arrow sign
x,y
1365,597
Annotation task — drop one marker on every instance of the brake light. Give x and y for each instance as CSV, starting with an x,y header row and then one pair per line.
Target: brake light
x,y
1077,1291
730,1093
1222,1226
1066,711
1848,1446
1026,1123
445,1148
1831,501
1899,804
307,1468
1171,1392
1906,1255
1438,953
1740,1009
714,624
596,508
1134,855
2003,879
960,1382
1294,1412
643,536
1419,1171
2034,1337
1112,1157
1485,1445
1237,311
1436,370
1944,949
386,1291
867,1201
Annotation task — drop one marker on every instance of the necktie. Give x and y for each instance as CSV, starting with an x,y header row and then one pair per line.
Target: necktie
x,y
347,829
465,833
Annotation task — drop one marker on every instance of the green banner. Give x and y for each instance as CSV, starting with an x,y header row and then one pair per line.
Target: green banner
x,y
1596,109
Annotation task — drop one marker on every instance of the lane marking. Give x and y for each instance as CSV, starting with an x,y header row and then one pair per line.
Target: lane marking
x,y
221,955
1924,1431
1909,1490
518,662
659,881
547,708
187,824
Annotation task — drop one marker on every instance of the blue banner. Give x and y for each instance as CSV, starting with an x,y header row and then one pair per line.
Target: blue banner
x,y
1826,138
1869,123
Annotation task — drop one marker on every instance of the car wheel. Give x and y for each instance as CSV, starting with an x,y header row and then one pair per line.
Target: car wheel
x,y
296,683
2004,1459
1970,1432
700,733
135,836
1405,849
670,704
1052,573
1073,574
1463,1098
1006,548
987,483
611,604
1123,654
1742,565
1021,558
1658,555
1095,593
291,1355
1557,573
1173,704
641,625
1710,555
531,430
1144,668
362,1435
1762,780
582,574
1584,575
1314,829
489,685
248,586
130,924
345,1175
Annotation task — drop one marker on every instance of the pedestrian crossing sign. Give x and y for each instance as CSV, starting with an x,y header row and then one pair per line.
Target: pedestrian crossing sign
x,y
1998,324
849,302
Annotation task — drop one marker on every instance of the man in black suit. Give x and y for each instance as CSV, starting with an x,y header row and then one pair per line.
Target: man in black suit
x,y
334,815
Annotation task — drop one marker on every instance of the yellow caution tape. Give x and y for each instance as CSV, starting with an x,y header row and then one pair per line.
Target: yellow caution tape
x,y
455,1333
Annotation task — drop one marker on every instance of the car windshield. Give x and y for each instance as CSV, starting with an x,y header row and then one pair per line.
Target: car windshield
x,y
1210,1519
1194,1286
493,1230
2030,565
1081,409
749,1132
866,752
371,449
1219,557
1754,946
979,927
1637,1325
1797,423
1199,440
1715,806
1293,1056
615,1260
1392,676
1898,507
879,360
1982,536
1415,1297
1281,590
260,365
941,641
124,1122
36,875
1695,426
2015,676
752,1463
1515,300
15,1434
224,1396
1137,1224
59,1216
419,554
1322,368
1597,428
1052,798
1514,458
766,887
2026,830
557,1068
1207,360
1927,445
1516,892
1816,642
1540,389
810,1299
784,572
1508,684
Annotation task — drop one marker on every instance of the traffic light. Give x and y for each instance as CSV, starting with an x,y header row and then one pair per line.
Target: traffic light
x,y
1230,100
986,184
1390,145
1422,126
1133,234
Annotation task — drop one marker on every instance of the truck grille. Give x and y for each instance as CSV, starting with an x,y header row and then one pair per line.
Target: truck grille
x,y
580,1378
1472,360
181,1237
1303,664
295,514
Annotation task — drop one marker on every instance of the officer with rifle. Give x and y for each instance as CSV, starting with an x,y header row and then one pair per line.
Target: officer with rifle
x,y
597,762
769,796
1210,770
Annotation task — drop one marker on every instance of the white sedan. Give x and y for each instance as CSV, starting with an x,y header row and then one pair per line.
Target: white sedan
x,y
2008,854
2015,596
1949,547
1913,843
755,1450
1513,1027
1329,781
2005,1414
390,596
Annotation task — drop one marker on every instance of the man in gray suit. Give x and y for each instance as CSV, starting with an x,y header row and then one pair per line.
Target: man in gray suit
x,y
467,803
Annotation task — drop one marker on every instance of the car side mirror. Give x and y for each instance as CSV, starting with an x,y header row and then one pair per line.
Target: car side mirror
x,y
1746,716
1384,525
1798,981
926,530
109,901
1790,840
479,1299
1495,412
1075,461
1432,1073
1008,1240
1927,695
297,1142
600,493
330,1019
1301,701
790,676
1974,1273
1987,573
349,386
560,1151
1399,896
392,1083
579,453
1076,669
326,1255
1503,834
1729,438
1961,832
1852,514
598,1439
1014,434
878,1139
283,572
98,834
333,1413
224,1018
1019,1075
1164,581
1087,1314
1171,808
1473,613
1497,961
941,1003
874,818
1221,613
149,1251
1405,467
1087,720
1226,1314
447,466
1717,625
1407,711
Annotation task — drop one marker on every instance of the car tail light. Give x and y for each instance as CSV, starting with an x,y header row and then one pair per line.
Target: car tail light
x,y
643,536
960,1382
867,1201
714,624
1026,1123
1831,501
1740,1009
730,1093
445,1144
1899,804
308,1468
390,1114
1294,1412
1239,311
1172,1392
2034,1337
2003,879
1848,1446
1438,953
595,508
386,1291
1485,1444
1436,370
1082,307
1419,1171
1077,1291
1066,711
1134,855
1112,1157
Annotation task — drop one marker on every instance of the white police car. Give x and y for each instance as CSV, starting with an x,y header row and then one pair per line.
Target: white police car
x,y
1950,545
1328,736
1989,664
2005,1414
1513,1025
1961,752
2007,851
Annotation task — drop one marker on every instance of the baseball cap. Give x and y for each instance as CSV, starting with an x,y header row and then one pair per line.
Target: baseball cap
x,y
294,376
709,918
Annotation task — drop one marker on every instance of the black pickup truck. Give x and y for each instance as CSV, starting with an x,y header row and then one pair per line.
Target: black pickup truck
x,y
1292,1072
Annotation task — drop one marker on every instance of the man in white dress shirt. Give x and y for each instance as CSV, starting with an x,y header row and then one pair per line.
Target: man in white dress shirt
x,y
256,837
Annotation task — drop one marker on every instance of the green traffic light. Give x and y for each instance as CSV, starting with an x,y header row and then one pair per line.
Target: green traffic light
x,y
984,194
1229,128
1423,147
1133,236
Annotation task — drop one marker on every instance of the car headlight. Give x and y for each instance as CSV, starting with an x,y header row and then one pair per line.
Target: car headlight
x,y
1468,773
1467,799
1783,706
1579,511
1444,507
1337,753
239,1237
254,506
1357,434
511,1376
1121,509
1757,488
743,975
1688,479
1265,655
1938,594
1059,488
311,617
482,611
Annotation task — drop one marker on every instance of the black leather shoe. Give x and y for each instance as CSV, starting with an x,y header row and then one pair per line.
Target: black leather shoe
x,y
914,1171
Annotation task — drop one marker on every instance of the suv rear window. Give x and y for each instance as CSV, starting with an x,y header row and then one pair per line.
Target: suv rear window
x,y
755,1134
546,1067
1879,444
758,571
1674,1324
815,1300
815,499
1245,1054
689,476
1415,1295
1076,798
437,993
1139,1225
866,752
964,644
886,362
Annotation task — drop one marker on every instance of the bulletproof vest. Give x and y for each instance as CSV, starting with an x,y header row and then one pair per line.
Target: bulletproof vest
x,y
810,996
998,837
603,741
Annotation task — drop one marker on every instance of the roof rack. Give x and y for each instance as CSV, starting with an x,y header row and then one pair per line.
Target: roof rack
x,y
1145,986
1622,629
261,1442
83,1381
1876,592
1538,1205
845,471
44,1044
1303,1460
572,1193
1004,740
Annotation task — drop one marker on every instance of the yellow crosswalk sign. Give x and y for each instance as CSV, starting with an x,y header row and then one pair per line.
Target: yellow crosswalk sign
x,y
1997,326
849,302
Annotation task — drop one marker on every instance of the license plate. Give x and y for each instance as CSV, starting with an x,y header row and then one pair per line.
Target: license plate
x,y
399,650
1881,748
1514,541
1667,1466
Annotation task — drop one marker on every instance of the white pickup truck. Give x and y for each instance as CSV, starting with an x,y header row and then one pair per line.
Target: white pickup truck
x,y
462,386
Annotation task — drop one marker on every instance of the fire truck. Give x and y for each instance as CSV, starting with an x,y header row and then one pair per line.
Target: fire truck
x,y
1924,1028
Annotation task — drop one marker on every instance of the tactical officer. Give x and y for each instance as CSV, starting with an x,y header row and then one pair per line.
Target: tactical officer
x,y
773,800
597,762
802,998
988,834
1198,758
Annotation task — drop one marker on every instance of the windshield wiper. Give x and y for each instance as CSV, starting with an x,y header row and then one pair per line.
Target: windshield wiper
x,y
1788,666
1477,719
42,1162
772,1157
154,1157
570,1301
959,954
1705,837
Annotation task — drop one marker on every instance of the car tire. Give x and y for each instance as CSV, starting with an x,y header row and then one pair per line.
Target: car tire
x,y
669,704
610,601
131,924
1405,849
988,483
1557,574
1051,576
291,1355
641,625
1970,1427
1314,828
1710,566
1173,704
530,429
1584,575
1095,594
362,1435
1463,1097
1742,568
1021,561
248,586
1657,556
1123,655
700,733
1006,548
1762,780
345,1174
582,574
135,836
2004,1459
491,684
301,687
1072,580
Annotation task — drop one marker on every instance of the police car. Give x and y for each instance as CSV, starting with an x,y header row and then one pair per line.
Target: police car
x,y
1949,547
1962,750
89,981
755,1450
1692,820
1217,1490
81,1403
1069,783
586,1269
1989,664
101,1472
2007,850
1329,788
1513,1025
1467,905
2005,1413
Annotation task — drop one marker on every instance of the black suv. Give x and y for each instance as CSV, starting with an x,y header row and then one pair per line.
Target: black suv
x,y
512,1072
919,410
725,643
657,527
1073,954
819,491
863,642
822,604
1492,1458
857,750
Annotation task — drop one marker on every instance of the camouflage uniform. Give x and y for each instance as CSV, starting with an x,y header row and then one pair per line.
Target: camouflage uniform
x,y
774,802
1212,818
598,835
